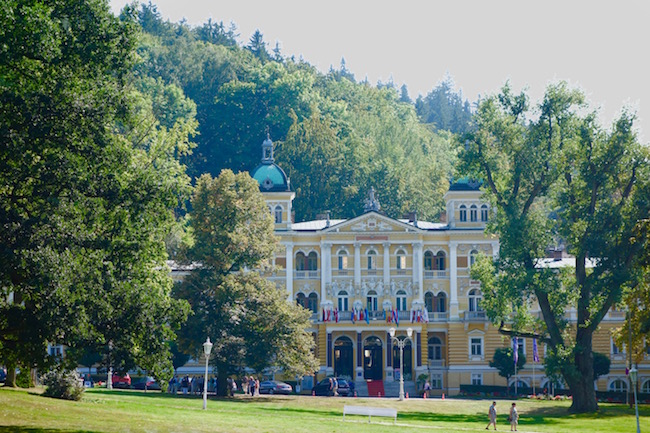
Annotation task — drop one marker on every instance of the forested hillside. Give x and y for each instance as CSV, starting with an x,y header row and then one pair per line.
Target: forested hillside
x,y
334,137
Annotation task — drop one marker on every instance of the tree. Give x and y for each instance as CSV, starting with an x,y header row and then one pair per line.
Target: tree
x,y
555,177
247,317
444,108
504,361
89,179
257,46
601,365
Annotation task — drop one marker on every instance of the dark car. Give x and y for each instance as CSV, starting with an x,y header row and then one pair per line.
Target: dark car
x,y
324,387
149,382
275,387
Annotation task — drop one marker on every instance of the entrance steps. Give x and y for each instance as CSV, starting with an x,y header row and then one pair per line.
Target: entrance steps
x,y
361,387
375,388
392,388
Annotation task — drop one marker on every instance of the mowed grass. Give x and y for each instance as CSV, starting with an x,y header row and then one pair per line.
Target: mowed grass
x,y
134,411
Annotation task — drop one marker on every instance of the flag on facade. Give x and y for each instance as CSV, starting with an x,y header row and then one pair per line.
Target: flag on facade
x,y
396,317
323,315
516,349
425,315
336,315
535,354
367,317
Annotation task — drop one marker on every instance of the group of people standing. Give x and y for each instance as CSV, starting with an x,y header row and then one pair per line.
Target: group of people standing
x,y
187,385
250,386
513,417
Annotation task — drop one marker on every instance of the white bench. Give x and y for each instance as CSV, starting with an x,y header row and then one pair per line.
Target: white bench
x,y
370,411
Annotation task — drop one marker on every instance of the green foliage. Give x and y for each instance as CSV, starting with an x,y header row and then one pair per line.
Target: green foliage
x,y
443,108
246,316
90,178
504,361
601,365
556,176
63,384
353,136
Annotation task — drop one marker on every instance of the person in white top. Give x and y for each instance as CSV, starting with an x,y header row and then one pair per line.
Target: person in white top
x,y
514,417
492,413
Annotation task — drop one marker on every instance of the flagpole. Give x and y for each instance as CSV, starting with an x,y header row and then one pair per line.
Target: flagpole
x,y
533,378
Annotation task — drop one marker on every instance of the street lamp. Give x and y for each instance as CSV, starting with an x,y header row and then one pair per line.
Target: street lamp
x,y
633,374
400,344
207,348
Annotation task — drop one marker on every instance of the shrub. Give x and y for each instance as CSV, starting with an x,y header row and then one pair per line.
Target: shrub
x,y
64,384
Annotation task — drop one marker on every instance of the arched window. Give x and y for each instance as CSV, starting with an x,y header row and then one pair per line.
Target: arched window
x,y
463,213
400,299
343,300
473,213
440,261
372,259
401,259
645,388
301,261
472,257
278,214
434,348
484,213
428,261
301,300
618,385
343,260
474,300
312,302
371,301
428,301
312,261
441,302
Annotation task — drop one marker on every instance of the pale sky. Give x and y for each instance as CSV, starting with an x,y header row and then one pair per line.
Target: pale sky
x,y
599,46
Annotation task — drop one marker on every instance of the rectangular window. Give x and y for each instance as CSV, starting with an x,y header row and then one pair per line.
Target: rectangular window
x,y
372,264
343,262
343,304
436,381
401,262
476,345
477,378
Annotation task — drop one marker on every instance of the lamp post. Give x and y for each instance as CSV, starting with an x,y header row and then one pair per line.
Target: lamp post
x,y
400,344
207,348
633,374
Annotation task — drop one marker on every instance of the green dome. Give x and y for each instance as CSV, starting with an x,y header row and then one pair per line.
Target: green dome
x,y
271,178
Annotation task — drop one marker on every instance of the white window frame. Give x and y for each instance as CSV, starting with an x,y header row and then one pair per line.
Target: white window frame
x,y
400,262
619,380
462,213
480,343
343,300
473,213
477,379
400,300
278,214
485,213
436,381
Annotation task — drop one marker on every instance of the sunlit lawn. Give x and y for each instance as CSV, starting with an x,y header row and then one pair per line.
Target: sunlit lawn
x,y
135,411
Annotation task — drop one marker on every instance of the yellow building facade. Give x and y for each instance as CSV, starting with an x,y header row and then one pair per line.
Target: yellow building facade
x,y
364,275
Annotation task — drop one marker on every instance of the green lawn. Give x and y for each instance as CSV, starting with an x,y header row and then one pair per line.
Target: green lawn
x,y
134,411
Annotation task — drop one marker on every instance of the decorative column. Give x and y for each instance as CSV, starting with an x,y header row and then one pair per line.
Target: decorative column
x,y
386,264
418,349
418,269
359,368
289,270
453,280
357,264
326,269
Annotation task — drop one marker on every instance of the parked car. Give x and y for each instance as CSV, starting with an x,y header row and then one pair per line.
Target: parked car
x,y
3,375
121,381
324,387
275,387
150,382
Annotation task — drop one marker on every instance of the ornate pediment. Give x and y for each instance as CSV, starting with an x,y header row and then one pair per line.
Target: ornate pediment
x,y
373,223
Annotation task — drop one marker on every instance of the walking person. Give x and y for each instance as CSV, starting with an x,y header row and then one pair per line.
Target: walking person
x,y
514,417
492,414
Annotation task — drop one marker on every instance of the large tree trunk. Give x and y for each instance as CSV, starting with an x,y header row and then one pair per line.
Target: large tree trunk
x,y
582,383
222,380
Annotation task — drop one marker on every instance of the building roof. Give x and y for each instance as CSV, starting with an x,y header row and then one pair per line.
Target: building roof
x,y
271,178
465,184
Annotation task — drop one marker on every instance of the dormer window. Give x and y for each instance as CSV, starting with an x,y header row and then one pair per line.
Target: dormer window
x,y
463,213
278,214
473,213
484,213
